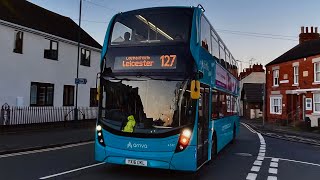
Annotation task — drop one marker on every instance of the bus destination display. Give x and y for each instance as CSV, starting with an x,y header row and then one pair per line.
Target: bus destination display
x,y
145,62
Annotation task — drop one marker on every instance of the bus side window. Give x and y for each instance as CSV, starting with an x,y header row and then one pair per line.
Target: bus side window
x,y
215,106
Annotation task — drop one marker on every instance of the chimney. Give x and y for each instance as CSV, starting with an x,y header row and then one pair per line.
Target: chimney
x,y
307,36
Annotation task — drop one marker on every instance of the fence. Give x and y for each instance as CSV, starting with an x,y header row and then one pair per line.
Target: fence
x,y
31,115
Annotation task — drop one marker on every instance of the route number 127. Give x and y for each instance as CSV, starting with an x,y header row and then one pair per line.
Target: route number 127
x,y
167,60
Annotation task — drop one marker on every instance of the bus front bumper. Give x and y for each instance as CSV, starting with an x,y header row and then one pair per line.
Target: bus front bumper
x,y
184,161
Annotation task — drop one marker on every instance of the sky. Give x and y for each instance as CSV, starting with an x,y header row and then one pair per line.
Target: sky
x,y
254,30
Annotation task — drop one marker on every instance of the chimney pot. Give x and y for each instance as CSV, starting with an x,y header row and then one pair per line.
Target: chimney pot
x,y
316,29
307,31
302,29
311,29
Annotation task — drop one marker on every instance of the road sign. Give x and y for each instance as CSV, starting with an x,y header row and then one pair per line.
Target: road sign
x,y
80,80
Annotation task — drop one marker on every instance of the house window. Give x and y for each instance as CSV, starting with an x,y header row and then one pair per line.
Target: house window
x,y
276,77
85,57
52,51
18,42
41,94
317,72
68,95
308,103
316,103
93,97
275,105
295,74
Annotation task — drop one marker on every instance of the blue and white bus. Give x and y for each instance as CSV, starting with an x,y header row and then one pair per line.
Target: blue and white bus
x,y
168,92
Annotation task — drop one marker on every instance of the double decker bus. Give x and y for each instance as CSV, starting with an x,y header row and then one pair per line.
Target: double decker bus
x,y
168,92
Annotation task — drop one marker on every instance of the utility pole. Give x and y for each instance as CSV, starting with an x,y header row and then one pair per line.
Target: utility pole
x,y
78,59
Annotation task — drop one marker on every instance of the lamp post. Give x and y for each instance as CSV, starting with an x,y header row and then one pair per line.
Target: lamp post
x,y
78,59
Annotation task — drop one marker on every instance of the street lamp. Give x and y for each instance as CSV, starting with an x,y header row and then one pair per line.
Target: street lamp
x,y
78,59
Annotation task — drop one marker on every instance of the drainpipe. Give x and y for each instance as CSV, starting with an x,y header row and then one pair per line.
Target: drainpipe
x,y
303,107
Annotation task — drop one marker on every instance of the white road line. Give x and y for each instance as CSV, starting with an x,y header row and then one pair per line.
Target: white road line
x,y
251,176
74,170
272,178
290,160
45,150
257,163
274,164
260,158
275,159
273,170
255,168
249,128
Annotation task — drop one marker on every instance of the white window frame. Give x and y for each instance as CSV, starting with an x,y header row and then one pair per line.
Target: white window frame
x,y
275,77
314,103
309,101
316,72
272,105
295,74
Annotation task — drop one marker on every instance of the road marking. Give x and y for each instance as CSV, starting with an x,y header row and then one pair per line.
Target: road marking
x,y
45,150
275,159
272,178
251,176
70,171
260,158
290,160
249,128
273,164
244,154
262,151
258,163
273,170
255,168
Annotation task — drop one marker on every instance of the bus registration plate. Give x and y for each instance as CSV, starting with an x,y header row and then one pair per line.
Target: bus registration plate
x,y
136,162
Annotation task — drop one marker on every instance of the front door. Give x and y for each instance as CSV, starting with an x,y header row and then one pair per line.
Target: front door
x,y
203,123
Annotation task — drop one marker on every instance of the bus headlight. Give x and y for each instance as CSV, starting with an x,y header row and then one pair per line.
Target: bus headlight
x,y
184,140
100,135
99,128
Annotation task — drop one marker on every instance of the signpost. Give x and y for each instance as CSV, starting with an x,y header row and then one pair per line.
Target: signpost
x,y
80,81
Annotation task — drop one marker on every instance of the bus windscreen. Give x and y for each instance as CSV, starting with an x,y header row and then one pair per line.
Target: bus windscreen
x,y
141,27
154,105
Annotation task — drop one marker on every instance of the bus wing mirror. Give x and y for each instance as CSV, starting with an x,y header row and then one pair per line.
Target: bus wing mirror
x,y
195,89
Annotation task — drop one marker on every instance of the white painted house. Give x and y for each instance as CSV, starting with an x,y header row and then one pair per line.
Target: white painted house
x,y
251,106
38,58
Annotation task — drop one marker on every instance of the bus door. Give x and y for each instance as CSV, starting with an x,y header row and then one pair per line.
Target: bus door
x,y
203,125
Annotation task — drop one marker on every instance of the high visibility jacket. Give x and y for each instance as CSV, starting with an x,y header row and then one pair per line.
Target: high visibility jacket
x,y
130,124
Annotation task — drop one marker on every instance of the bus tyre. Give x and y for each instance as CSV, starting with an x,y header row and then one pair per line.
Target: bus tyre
x,y
233,135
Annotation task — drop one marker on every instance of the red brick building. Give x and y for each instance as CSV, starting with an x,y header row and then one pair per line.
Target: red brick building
x,y
293,81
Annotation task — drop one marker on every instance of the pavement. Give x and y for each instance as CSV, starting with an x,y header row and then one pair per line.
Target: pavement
x,y
298,134
44,138
252,156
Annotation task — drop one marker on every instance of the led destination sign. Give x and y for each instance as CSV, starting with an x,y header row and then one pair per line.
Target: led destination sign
x,y
145,62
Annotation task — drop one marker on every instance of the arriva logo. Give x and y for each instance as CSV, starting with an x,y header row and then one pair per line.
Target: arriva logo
x,y
136,145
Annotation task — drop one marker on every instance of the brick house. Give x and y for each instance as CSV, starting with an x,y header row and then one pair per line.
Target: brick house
x,y
293,81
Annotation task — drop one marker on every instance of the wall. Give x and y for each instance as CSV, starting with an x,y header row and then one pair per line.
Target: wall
x,y
307,82
17,71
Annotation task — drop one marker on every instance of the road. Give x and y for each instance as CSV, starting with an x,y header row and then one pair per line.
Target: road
x,y
253,156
